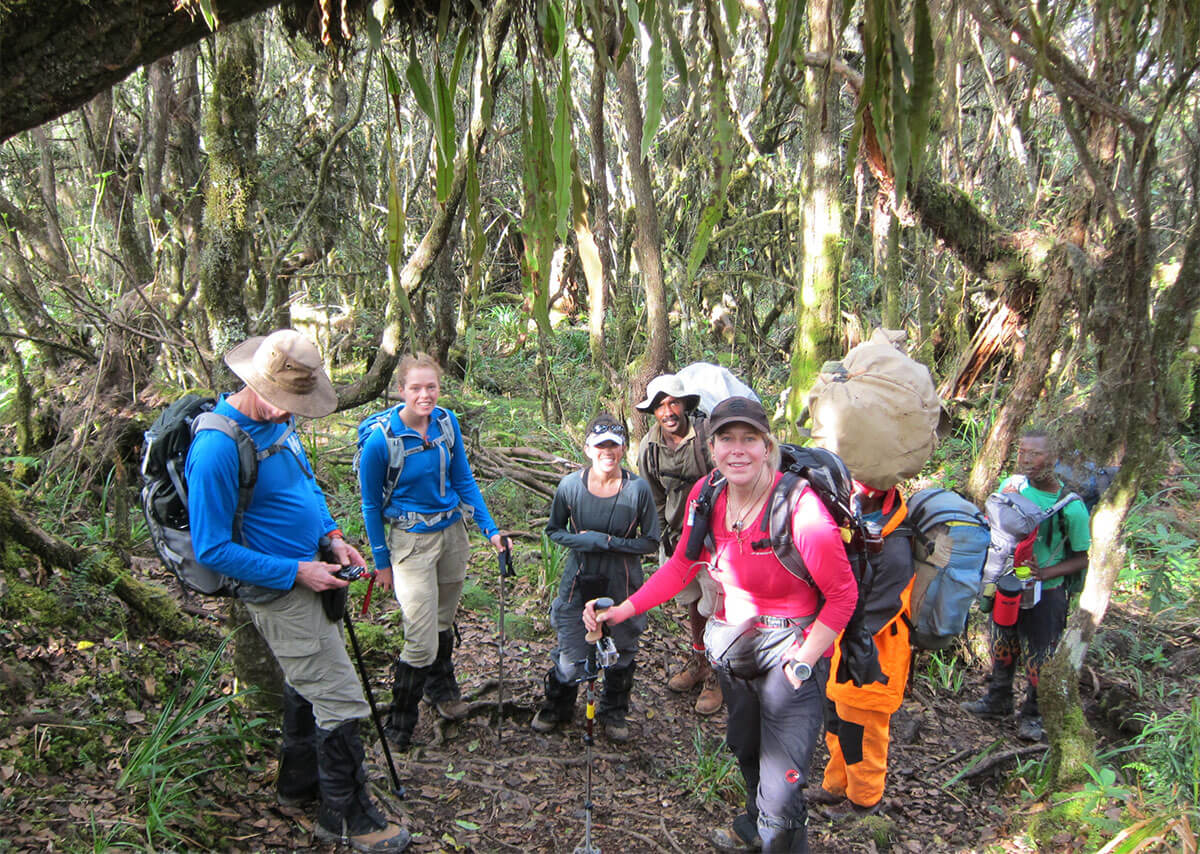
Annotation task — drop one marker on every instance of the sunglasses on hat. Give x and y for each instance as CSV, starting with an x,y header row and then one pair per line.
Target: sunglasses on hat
x,y
604,427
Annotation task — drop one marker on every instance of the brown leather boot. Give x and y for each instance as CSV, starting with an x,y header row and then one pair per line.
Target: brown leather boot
x,y
710,700
696,671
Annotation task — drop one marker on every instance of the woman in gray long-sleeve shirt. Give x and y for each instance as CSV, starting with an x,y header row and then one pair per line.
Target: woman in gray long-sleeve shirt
x,y
607,518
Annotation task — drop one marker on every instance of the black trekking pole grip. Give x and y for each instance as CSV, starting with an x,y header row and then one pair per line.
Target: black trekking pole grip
x,y
397,789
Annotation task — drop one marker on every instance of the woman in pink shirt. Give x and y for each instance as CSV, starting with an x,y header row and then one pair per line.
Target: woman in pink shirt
x,y
774,714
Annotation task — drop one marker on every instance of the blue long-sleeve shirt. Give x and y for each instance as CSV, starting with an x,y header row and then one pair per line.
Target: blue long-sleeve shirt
x,y
285,518
420,488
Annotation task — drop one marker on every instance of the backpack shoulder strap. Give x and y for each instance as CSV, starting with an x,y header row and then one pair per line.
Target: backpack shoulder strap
x,y
777,523
700,516
447,427
248,458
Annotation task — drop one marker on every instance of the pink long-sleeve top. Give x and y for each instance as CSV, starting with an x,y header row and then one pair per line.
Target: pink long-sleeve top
x,y
753,580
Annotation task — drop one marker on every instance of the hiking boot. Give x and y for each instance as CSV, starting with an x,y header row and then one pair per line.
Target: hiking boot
x,y
558,706
821,795
441,686
347,814
616,731
696,672
743,837
1029,728
710,700
364,830
989,706
850,810
614,703
407,686
452,710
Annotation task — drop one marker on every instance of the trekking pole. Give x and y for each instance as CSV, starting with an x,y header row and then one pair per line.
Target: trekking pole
x,y
504,556
353,572
604,657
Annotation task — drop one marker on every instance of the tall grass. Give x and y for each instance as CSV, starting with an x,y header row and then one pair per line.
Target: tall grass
x,y
185,745
712,775
1168,750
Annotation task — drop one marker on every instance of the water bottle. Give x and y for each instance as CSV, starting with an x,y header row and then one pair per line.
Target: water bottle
x,y
1008,600
1031,588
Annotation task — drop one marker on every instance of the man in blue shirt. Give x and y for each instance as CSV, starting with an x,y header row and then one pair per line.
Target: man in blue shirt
x,y
274,555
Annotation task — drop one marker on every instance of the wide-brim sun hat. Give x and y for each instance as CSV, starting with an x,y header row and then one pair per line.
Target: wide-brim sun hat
x,y
286,371
738,410
667,385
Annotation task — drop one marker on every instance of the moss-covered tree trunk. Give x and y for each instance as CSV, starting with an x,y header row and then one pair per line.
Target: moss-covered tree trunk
x,y
817,318
888,268
1127,419
231,134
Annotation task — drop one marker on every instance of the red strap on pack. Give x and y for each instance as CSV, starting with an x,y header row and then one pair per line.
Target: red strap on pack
x,y
1023,553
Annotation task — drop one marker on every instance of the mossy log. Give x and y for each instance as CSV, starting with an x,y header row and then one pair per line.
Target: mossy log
x,y
152,603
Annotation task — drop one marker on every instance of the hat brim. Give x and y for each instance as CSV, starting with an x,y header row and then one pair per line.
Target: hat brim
x,y
690,402
318,403
717,425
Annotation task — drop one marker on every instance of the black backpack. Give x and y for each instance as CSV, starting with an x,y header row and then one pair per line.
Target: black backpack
x,y
831,480
164,487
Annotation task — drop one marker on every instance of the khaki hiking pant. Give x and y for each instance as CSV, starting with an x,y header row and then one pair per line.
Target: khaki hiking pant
x,y
428,571
312,654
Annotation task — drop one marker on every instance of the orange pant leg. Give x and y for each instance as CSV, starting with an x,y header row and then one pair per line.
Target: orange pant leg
x,y
835,769
858,754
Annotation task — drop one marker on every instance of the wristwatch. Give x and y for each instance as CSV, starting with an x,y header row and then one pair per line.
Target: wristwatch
x,y
801,671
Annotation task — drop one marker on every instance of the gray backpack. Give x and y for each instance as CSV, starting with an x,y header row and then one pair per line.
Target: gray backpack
x,y
164,496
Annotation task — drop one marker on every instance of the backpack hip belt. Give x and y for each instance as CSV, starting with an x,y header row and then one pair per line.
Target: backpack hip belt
x,y
410,519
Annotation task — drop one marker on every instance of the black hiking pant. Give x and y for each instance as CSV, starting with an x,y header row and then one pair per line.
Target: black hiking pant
x,y
1032,640
773,729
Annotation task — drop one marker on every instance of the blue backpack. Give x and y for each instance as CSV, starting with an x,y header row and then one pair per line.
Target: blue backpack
x,y
950,547
396,450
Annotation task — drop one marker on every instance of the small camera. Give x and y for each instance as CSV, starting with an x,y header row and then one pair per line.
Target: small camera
x,y
349,573
606,653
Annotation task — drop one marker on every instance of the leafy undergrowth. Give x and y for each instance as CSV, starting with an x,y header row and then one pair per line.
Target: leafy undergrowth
x,y
89,708
88,697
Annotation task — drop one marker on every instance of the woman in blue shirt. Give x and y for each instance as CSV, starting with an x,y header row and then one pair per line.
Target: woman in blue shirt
x,y
417,487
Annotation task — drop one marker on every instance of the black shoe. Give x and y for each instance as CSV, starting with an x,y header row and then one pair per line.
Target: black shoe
x,y
824,797
1029,728
988,707
743,837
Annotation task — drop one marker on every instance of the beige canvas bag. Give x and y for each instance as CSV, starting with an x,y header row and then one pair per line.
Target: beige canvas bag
x,y
878,410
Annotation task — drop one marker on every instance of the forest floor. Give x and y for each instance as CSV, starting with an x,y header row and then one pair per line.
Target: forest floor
x,y
470,790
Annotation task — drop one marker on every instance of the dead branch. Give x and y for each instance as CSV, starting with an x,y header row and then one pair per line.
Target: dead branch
x,y
1000,758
